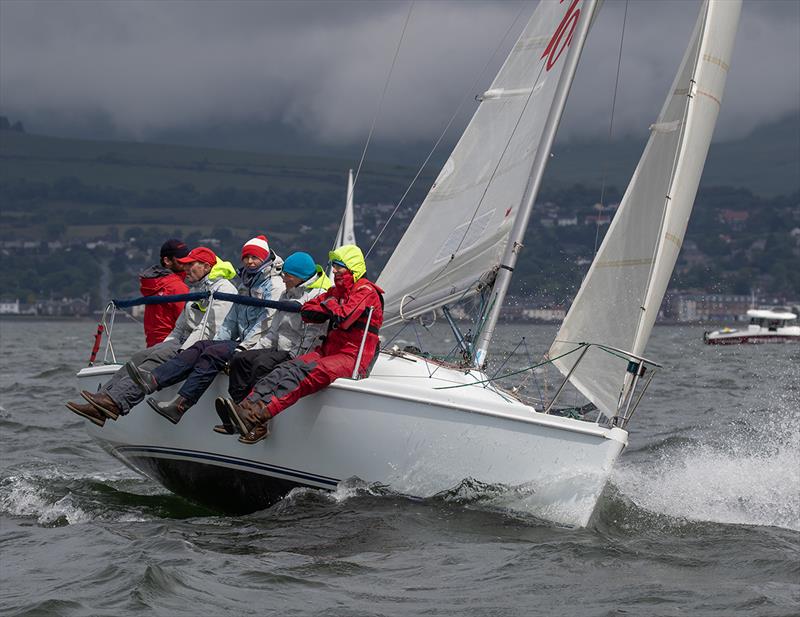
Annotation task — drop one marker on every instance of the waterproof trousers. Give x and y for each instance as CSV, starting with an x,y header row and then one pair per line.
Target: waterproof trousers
x,y
297,378
199,365
121,388
247,368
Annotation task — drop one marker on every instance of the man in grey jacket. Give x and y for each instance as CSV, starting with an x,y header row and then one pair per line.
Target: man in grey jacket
x,y
198,320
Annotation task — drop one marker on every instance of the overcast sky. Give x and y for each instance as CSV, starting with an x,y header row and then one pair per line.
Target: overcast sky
x,y
137,69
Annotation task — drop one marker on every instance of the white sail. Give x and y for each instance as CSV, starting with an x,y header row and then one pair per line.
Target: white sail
x,y
460,232
620,297
346,235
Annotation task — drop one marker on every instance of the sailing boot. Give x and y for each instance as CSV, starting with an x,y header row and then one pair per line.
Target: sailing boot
x,y
240,413
89,412
171,410
142,378
103,403
223,407
256,434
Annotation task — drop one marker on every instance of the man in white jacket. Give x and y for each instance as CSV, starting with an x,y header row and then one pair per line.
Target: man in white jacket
x,y
199,320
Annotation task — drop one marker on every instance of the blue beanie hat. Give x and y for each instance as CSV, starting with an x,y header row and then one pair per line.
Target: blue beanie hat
x,y
300,265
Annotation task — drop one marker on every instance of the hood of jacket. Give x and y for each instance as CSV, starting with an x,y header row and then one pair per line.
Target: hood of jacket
x,y
156,278
352,257
220,270
319,281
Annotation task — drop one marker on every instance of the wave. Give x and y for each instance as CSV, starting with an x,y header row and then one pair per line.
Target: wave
x,y
746,474
54,498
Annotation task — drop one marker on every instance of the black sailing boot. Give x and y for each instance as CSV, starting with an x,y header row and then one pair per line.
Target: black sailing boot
x,y
142,378
171,410
223,411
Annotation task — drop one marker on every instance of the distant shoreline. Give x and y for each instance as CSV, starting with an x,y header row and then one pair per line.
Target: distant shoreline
x,y
96,319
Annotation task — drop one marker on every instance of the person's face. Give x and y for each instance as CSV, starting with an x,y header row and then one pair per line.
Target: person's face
x,y
251,261
196,270
338,269
290,280
171,263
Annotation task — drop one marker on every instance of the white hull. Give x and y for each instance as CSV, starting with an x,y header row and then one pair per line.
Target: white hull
x,y
753,335
392,428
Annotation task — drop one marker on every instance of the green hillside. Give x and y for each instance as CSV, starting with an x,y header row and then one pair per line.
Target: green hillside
x,y
133,195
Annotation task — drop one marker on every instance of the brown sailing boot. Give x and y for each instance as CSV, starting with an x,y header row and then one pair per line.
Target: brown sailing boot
x,y
240,413
103,403
87,411
256,434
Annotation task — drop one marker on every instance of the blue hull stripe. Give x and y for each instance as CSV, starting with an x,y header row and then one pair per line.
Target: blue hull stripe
x,y
219,458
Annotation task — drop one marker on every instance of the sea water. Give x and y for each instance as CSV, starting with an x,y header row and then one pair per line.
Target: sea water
x,y
701,517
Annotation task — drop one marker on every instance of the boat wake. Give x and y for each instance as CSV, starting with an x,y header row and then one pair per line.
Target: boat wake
x,y
746,476
537,503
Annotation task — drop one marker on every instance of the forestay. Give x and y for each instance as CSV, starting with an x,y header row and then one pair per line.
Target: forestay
x,y
460,231
620,297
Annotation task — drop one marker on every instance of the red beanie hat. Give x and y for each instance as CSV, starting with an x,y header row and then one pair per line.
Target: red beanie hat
x,y
257,247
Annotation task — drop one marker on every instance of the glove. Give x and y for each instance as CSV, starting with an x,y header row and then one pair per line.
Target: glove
x,y
314,316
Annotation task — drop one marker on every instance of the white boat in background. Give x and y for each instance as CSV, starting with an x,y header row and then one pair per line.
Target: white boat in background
x,y
422,427
766,326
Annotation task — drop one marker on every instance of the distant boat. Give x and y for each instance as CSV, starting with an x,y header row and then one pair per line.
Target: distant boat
x,y
766,326
422,426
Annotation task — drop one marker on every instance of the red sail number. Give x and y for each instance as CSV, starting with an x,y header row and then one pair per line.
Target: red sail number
x,y
562,38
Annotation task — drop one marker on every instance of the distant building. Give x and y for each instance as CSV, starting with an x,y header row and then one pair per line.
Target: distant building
x,y
707,307
596,219
544,314
9,307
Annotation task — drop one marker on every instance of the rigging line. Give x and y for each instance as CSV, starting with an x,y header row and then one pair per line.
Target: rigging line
x,y
383,96
529,368
467,96
508,357
488,184
611,124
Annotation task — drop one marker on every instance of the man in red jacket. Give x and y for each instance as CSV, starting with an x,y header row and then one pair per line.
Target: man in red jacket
x,y
353,308
165,279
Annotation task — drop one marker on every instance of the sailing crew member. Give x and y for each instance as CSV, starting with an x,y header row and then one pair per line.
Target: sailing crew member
x,y
353,308
288,336
245,325
204,272
164,279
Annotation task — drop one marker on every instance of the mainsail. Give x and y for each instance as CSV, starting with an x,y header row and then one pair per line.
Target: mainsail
x,y
458,237
619,299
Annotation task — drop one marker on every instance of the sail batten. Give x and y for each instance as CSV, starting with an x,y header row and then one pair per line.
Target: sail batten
x,y
617,306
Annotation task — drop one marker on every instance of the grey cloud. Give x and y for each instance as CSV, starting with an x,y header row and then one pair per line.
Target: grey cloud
x,y
145,67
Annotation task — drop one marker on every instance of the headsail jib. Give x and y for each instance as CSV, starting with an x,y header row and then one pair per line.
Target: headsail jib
x,y
619,299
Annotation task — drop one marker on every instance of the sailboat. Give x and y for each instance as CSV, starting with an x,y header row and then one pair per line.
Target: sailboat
x,y
422,427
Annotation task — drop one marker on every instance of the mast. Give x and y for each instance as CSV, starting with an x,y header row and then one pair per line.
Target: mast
x,y
514,246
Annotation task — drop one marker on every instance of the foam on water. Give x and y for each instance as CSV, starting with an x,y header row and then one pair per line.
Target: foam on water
x,y
24,496
748,473
47,494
